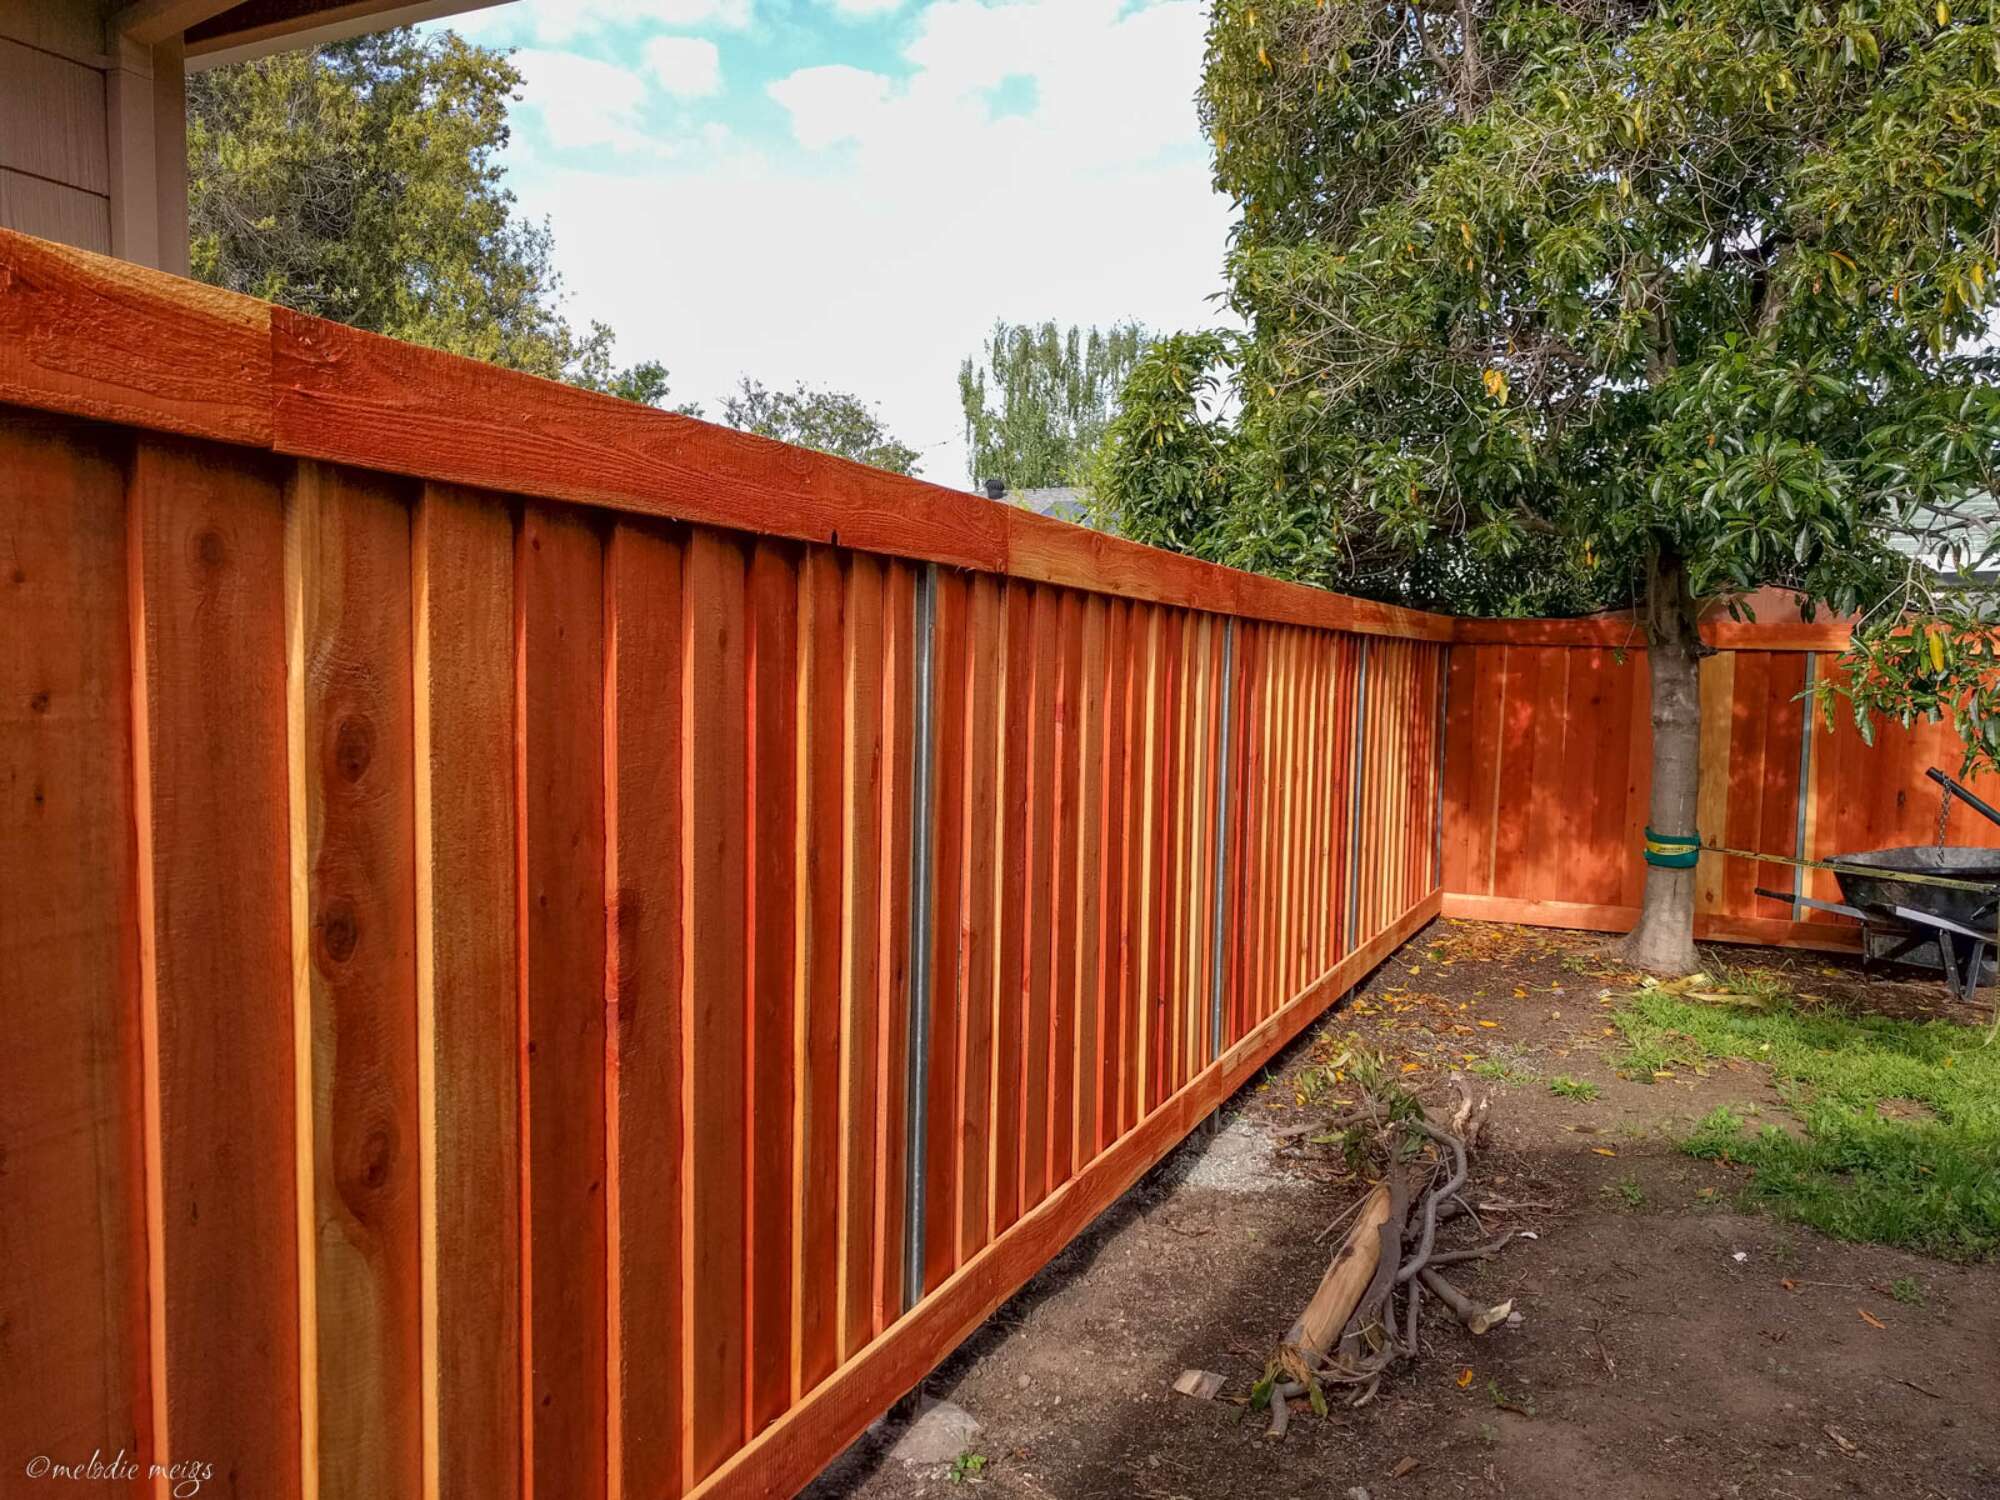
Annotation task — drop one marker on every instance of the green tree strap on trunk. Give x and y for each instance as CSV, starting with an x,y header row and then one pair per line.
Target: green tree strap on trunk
x,y
1673,851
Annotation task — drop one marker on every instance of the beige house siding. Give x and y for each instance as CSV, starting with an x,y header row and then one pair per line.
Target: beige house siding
x,y
93,139
93,105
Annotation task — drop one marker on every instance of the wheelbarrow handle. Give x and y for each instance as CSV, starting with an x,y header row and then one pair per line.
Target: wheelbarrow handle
x,y
1955,789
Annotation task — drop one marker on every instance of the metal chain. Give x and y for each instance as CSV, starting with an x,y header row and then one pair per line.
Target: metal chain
x,y
1944,813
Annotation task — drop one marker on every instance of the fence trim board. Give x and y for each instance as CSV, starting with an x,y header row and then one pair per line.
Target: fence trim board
x,y
1627,631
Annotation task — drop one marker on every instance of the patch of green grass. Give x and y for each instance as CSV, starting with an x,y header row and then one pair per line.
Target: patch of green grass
x,y
1501,1070
1908,1291
1565,1087
1628,1190
1767,987
966,1467
1930,1184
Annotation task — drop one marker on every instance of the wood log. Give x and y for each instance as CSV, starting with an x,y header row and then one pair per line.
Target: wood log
x,y
1347,1277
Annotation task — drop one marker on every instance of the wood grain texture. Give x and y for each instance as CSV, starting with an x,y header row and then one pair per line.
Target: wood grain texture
x,y
1067,833
559,599
468,1017
96,337
862,771
1016,740
713,688
816,1238
208,573
73,1263
983,917
1039,923
646,987
769,938
349,628
942,1126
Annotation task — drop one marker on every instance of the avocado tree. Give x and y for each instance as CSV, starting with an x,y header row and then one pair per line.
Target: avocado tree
x,y
1558,305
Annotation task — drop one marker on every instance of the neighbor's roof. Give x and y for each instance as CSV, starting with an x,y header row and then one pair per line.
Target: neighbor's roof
x,y
1963,545
1062,502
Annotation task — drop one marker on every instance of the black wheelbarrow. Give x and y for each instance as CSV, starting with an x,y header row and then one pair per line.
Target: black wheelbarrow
x,y
1912,922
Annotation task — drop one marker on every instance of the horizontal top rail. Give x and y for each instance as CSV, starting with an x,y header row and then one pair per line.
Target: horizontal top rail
x,y
88,336
1627,631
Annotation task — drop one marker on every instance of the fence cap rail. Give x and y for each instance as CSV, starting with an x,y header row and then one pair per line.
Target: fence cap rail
x,y
88,336
1627,631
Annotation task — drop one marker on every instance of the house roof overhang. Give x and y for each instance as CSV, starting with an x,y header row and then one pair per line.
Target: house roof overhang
x,y
227,33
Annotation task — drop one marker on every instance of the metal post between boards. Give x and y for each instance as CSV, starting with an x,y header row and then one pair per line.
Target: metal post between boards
x,y
922,900
1220,889
1357,801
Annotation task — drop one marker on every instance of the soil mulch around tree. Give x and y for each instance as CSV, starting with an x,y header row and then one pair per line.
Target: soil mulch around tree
x,y
1669,1346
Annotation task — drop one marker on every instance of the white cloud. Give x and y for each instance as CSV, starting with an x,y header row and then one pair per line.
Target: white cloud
x,y
551,23
583,102
874,253
832,104
686,67
867,7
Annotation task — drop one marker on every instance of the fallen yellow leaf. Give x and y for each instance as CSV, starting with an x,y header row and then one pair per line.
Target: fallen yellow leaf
x,y
1870,1319
1413,1067
1465,1378
1489,1025
1604,1151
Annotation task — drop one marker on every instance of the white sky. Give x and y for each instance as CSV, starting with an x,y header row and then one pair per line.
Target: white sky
x,y
848,192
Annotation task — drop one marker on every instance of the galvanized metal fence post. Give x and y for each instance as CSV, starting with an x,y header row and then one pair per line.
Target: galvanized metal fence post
x,y
1222,793
923,783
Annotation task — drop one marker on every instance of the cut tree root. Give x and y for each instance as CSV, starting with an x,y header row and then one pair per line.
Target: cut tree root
x,y
1479,1319
1348,1334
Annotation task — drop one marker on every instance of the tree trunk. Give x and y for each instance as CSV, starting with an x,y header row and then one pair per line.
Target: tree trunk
x,y
1664,938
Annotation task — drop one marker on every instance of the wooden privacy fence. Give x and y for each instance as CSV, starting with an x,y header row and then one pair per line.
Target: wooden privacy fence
x,y
548,948
1548,773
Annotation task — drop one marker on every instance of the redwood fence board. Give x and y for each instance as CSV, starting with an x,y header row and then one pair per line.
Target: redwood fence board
x,y
464,842
1547,776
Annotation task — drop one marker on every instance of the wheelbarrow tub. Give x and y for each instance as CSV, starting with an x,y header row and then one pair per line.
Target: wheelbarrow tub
x,y
1878,889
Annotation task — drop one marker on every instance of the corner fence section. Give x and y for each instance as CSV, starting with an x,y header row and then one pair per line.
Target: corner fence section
x,y
1548,776
552,949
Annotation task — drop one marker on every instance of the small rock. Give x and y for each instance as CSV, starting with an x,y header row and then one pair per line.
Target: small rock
x,y
1025,1381
1357,1493
942,1431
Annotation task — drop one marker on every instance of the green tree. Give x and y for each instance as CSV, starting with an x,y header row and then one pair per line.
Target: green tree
x,y
830,421
1037,399
1661,303
361,181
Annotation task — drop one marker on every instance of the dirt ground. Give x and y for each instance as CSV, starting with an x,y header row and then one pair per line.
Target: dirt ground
x,y
1661,1353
